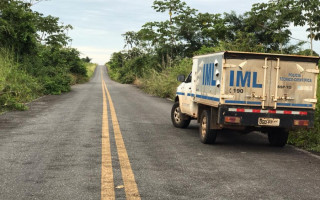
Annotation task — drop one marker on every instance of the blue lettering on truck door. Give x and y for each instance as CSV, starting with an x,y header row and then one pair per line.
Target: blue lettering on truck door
x,y
243,80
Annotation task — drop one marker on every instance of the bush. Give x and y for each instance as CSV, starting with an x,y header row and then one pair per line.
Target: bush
x,y
16,86
56,84
164,84
53,68
126,68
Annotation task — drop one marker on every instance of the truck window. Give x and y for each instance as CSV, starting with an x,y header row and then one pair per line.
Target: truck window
x,y
189,78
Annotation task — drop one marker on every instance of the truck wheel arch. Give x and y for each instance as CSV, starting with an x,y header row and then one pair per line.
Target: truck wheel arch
x,y
213,115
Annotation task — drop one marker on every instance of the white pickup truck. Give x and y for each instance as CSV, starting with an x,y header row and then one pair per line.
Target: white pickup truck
x,y
272,93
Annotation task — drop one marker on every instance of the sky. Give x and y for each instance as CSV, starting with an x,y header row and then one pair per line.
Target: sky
x,y
98,24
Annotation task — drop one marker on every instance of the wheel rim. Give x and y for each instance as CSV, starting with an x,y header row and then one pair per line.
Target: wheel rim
x,y
177,115
204,126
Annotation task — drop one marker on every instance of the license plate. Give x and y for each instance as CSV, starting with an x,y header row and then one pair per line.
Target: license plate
x,y
268,121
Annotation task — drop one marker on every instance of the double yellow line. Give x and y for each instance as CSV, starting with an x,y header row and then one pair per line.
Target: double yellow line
x,y
107,182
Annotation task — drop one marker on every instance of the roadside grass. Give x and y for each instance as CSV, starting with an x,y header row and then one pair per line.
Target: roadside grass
x,y
16,86
164,83
90,69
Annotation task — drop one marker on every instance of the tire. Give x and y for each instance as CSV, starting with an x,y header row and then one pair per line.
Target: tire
x,y
178,119
207,136
278,137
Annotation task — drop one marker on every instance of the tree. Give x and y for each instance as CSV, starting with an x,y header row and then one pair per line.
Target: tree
x,y
211,29
148,37
17,27
175,7
131,39
21,29
270,22
50,32
86,59
233,23
38,44
309,14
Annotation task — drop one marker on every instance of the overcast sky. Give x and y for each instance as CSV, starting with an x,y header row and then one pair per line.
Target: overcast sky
x,y
98,24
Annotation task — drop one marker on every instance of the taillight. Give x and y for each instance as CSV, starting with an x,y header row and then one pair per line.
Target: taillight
x,y
233,120
301,122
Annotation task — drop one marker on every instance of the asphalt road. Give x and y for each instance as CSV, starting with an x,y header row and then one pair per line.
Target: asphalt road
x,y
83,145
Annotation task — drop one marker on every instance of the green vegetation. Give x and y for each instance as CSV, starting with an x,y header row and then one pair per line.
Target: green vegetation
x,y
164,83
79,78
34,57
16,86
159,51
90,69
309,139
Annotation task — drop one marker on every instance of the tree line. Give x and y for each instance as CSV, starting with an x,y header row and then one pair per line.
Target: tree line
x,y
188,32
37,48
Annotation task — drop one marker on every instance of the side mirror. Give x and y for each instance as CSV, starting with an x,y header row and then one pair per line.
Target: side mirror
x,y
181,78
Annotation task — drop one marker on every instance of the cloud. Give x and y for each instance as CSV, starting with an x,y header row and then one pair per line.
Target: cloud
x,y
98,55
91,31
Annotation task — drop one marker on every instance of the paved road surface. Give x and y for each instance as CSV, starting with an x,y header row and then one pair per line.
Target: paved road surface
x,y
120,143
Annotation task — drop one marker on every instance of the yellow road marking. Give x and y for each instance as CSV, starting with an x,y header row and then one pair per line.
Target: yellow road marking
x,y
129,182
107,184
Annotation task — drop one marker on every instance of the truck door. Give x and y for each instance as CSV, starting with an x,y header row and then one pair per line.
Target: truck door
x,y
187,98
293,83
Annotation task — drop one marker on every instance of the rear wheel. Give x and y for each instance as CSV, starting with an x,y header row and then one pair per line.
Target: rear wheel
x,y
278,137
207,136
178,119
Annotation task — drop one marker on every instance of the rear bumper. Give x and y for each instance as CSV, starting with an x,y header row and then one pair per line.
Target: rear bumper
x,y
249,116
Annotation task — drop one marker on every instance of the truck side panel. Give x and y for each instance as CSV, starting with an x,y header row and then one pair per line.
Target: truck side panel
x,y
207,79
